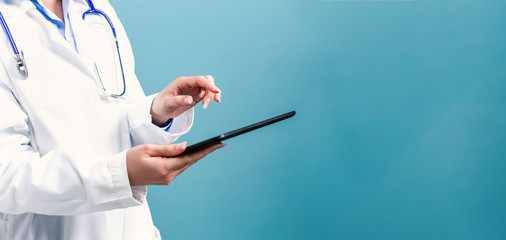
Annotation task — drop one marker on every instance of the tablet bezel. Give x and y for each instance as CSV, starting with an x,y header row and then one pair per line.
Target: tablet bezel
x,y
215,140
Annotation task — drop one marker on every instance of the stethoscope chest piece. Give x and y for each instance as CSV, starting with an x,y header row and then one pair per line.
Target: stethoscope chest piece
x,y
20,58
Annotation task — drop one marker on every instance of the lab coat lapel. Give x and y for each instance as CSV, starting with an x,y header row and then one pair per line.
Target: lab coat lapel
x,y
81,37
64,49
15,8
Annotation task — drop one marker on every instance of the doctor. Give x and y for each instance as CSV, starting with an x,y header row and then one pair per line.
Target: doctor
x,y
79,140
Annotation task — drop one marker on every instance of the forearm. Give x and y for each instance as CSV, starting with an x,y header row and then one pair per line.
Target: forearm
x,y
60,184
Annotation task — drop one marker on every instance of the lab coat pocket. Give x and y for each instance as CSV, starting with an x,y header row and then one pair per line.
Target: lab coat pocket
x,y
4,229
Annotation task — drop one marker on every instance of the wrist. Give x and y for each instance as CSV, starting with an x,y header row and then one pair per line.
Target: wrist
x,y
158,119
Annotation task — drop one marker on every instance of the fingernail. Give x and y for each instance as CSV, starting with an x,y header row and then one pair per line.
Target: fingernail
x,y
219,97
205,103
188,100
182,146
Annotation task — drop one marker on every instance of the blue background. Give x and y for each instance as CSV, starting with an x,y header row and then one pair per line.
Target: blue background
x,y
401,124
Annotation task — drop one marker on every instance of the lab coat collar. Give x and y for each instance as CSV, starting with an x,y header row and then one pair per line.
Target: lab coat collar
x,y
16,8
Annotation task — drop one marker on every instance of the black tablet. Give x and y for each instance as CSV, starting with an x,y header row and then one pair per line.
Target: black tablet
x,y
237,132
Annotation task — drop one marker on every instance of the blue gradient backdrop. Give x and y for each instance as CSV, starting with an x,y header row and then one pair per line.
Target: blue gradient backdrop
x,y
401,124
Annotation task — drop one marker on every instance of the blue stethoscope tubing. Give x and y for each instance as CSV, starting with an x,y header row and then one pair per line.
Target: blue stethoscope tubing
x,y
99,12
9,35
21,61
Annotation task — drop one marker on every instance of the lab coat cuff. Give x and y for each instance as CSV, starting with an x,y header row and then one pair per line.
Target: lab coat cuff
x,y
127,195
143,131
182,123
139,193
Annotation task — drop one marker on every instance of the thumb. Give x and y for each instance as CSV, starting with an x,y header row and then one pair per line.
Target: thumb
x,y
168,150
182,100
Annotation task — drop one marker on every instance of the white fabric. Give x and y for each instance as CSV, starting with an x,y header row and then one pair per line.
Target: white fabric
x,y
62,144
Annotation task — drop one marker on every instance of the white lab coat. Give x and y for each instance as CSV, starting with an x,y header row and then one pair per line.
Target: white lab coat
x,y
62,144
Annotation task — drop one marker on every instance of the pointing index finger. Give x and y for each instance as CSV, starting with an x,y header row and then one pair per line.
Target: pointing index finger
x,y
206,83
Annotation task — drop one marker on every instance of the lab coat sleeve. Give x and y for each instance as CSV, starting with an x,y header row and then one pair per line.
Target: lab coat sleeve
x,y
142,130
56,183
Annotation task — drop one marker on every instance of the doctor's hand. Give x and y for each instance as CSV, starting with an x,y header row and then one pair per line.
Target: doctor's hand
x,y
151,164
182,94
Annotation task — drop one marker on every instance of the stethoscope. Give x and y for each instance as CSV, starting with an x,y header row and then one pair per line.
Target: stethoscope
x,y
21,63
